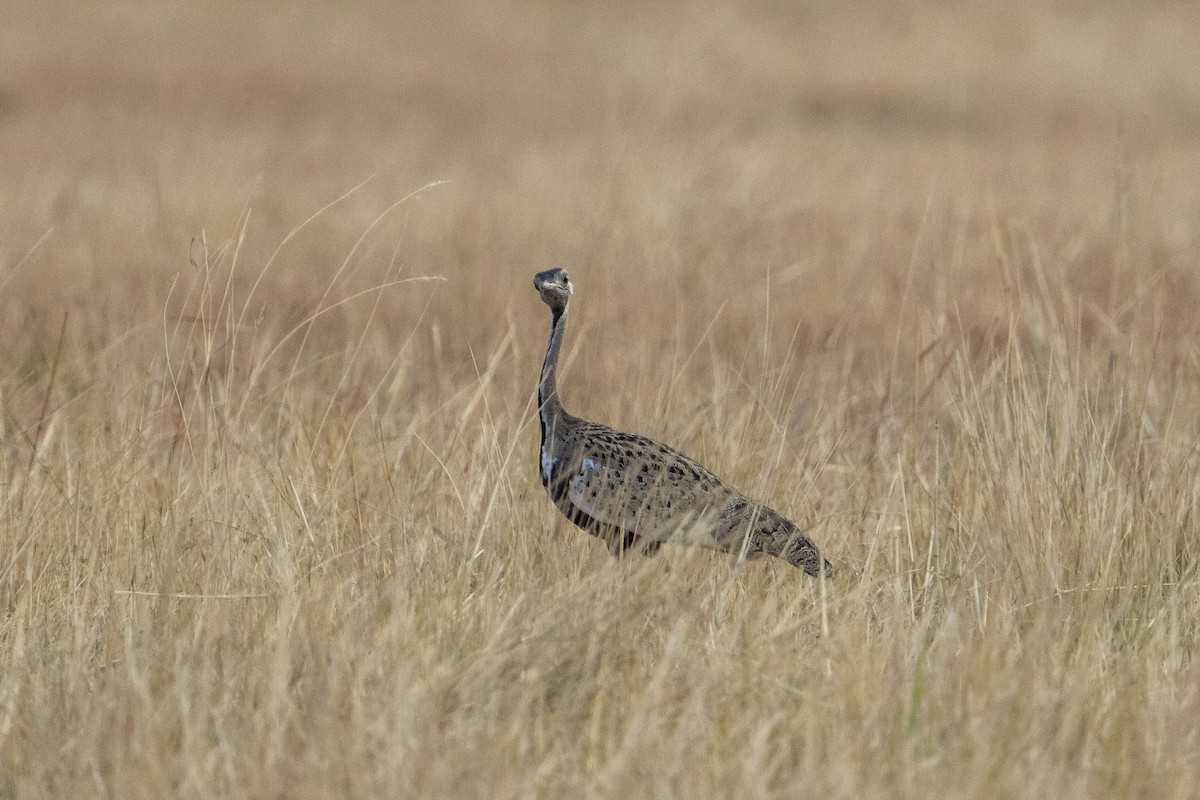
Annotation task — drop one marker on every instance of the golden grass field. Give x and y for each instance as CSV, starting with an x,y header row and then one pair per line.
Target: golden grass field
x,y
922,276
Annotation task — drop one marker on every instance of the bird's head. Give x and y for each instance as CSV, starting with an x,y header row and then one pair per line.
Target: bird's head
x,y
555,288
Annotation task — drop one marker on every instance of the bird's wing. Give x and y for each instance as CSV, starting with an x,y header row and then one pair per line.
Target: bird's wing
x,y
595,489
620,495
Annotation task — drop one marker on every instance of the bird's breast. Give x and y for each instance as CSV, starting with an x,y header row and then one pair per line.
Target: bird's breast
x,y
549,462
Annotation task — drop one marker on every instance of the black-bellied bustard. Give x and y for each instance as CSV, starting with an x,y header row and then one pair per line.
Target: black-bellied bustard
x,y
635,493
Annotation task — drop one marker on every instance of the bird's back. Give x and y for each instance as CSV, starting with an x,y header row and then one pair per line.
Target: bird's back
x,y
641,485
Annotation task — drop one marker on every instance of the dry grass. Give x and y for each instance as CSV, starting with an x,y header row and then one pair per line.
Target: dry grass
x,y
923,276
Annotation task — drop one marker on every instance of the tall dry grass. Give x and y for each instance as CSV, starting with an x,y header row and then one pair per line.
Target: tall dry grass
x,y
923,277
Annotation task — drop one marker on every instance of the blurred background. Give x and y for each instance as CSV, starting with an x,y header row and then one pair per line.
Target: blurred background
x,y
658,149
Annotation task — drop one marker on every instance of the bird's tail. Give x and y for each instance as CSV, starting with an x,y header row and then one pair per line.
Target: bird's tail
x,y
799,551
775,535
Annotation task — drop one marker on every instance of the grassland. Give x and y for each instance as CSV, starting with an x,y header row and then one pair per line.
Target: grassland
x,y
923,276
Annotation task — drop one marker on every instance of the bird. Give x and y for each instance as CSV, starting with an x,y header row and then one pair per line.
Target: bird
x,y
635,493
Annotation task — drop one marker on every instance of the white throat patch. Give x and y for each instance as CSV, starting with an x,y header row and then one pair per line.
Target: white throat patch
x,y
548,463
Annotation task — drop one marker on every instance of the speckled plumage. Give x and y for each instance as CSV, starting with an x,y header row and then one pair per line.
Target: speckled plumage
x,y
636,493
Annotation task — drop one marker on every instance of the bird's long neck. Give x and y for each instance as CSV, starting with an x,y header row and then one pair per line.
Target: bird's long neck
x,y
549,406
